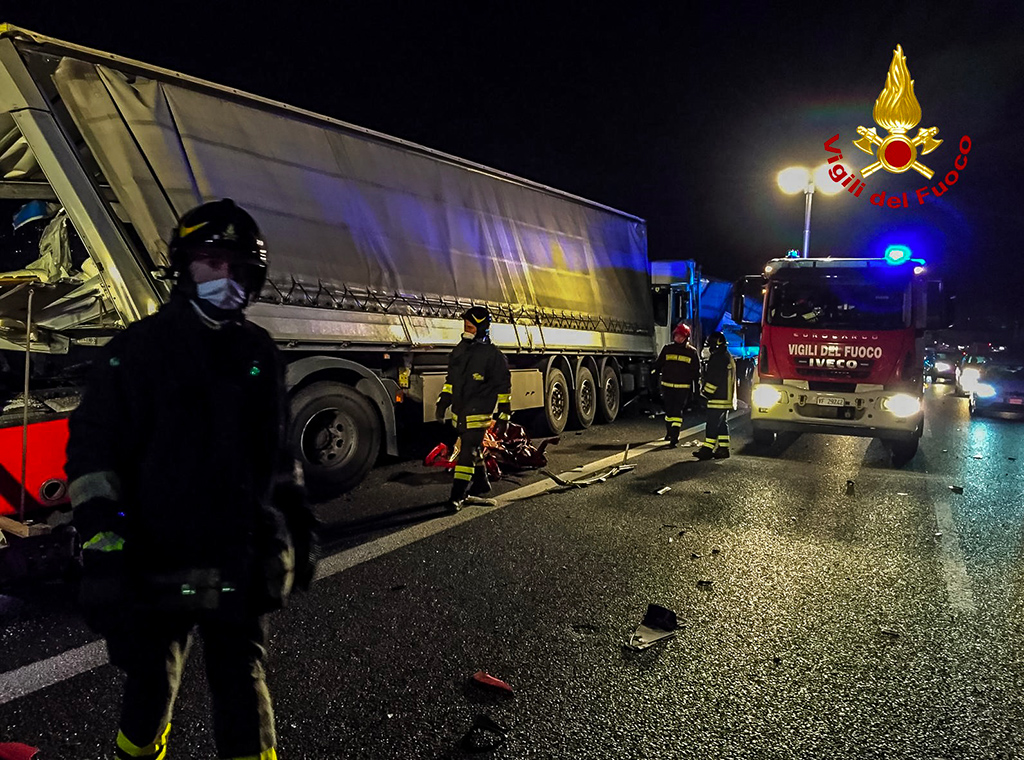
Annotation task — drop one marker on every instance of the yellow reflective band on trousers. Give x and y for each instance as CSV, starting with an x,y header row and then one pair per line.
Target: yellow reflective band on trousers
x,y
674,421
674,385
127,750
723,441
267,754
709,443
720,403
463,472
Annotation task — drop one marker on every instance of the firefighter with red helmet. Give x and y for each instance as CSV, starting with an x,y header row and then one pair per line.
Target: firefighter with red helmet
x,y
478,381
187,501
679,365
719,389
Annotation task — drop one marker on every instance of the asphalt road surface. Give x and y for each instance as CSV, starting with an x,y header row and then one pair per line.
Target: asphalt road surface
x,y
817,620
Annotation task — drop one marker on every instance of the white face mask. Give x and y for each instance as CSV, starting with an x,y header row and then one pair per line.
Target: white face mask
x,y
224,293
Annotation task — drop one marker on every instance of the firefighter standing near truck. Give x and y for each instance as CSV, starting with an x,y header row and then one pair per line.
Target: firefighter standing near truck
x,y
679,365
478,380
719,389
189,507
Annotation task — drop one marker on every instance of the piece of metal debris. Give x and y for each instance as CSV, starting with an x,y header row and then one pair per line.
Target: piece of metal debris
x,y
599,478
977,456
705,584
658,623
956,489
889,632
663,490
484,735
694,555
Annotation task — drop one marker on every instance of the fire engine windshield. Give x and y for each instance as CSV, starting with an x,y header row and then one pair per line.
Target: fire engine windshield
x,y
848,301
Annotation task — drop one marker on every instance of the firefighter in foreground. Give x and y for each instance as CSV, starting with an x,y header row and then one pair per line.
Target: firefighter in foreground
x,y
679,365
720,391
188,505
478,379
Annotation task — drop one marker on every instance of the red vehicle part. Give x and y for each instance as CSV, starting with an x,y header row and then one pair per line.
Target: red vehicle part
x,y
44,473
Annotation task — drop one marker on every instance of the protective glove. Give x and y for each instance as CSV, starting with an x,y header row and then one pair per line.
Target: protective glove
x,y
290,499
98,515
443,402
102,597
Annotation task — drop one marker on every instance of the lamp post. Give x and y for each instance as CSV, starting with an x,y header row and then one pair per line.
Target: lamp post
x,y
797,179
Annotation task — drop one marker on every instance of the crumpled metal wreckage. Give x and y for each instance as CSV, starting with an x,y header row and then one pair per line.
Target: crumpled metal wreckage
x,y
658,623
510,452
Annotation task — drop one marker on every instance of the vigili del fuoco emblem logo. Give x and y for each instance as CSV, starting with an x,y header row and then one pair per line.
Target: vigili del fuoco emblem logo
x,y
897,111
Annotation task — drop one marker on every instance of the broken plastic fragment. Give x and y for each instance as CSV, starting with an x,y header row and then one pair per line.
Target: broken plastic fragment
x,y
663,490
704,584
890,632
694,555
485,679
484,735
956,489
658,623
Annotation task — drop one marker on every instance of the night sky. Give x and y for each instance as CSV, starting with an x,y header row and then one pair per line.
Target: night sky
x,y
682,116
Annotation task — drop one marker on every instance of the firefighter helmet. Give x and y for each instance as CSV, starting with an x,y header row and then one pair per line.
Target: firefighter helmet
x,y
716,341
682,331
480,318
221,229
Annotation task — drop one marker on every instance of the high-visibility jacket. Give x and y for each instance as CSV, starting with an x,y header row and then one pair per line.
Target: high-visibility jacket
x,y
478,380
679,364
720,381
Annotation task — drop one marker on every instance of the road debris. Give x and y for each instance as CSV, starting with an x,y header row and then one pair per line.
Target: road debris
x,y
889,632
17,751
663,490
484,735
480,501
849,487
484,679
956,489
705,584
1012,459
658,623
600,478
977,456
715,551
694,555
902,493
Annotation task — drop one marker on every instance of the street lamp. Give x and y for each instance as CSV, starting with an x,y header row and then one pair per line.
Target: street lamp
x,y
797,179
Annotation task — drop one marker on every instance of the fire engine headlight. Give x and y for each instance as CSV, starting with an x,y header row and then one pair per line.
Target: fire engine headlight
x,y
969,377
984,390
765,396
902,405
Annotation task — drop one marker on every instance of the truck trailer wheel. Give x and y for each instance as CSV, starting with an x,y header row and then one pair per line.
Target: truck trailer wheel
x,y
609,395
556,401
336,434
584,400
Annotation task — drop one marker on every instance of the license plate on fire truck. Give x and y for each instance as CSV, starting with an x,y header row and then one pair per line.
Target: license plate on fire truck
x,y
831,401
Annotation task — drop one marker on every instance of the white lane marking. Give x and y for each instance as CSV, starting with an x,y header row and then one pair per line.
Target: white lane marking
x,y
38,675
349,558
23,681
959,587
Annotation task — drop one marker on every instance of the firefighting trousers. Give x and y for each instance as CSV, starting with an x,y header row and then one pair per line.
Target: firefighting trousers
x,y
674,400
152,650
716,429
471,457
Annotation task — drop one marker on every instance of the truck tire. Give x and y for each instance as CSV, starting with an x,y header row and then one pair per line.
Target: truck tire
x,y
584,400
903,451
556,401
609,394
336,434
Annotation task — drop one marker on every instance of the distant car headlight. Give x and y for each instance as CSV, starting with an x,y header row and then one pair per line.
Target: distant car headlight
x,y
943,367
902,405
765,396
969,377
984,390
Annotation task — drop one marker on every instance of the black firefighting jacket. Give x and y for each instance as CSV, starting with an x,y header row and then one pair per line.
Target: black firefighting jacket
x,y
182,428
720,380
478,380
679,364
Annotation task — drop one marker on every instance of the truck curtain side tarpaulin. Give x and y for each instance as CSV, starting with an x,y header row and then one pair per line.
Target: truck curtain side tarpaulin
x,y
340,209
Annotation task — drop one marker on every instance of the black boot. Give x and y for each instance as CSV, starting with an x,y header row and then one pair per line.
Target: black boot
x,y
722,453
668,432
480,483
673,438
704,453
460,489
